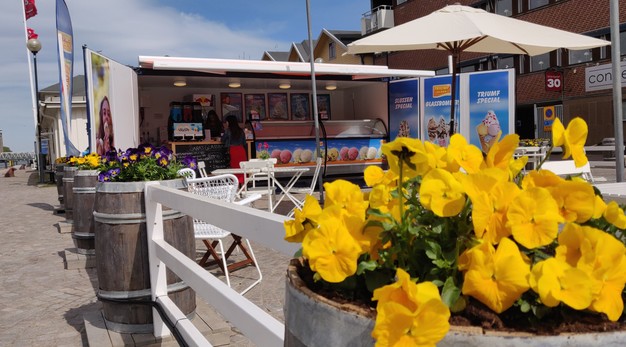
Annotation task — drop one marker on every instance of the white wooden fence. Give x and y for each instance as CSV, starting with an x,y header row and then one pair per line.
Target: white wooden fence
x,y
260,226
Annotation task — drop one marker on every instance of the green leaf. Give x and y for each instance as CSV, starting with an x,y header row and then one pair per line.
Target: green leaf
x,y
369,265
450,293
377,279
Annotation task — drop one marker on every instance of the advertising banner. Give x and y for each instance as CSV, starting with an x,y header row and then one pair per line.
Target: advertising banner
x,y
403,109
490,113
436,120
113,103
66,63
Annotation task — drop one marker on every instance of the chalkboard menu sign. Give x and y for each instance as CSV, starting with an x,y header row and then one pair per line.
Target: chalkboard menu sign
x,y
215,156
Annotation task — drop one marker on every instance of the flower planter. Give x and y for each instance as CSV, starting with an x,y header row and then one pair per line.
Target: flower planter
x,y
313,320
84,195
59,171
121,249
68,192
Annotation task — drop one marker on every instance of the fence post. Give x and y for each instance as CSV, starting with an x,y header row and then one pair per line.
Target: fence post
x,y
158,280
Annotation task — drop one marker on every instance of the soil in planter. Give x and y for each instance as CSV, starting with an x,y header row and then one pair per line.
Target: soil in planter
x,y
557,321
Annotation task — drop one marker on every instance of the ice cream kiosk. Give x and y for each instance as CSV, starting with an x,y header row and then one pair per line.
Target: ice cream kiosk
x,y
169,101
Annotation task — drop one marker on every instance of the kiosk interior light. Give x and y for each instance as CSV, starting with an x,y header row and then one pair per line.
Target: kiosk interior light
x,y
179,82
234,84
284,85
331,86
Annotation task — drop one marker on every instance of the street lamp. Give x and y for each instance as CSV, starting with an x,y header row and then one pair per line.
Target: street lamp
x,y
34,46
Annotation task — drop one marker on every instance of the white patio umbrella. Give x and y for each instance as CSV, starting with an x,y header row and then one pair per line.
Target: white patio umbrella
x,y
457,28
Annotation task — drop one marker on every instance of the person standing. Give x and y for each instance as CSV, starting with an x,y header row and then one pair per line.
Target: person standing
x,y
235,138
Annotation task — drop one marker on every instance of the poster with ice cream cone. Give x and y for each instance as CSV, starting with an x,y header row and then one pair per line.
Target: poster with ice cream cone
x,y
489,108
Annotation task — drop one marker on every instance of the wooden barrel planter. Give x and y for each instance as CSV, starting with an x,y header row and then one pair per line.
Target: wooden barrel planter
x,y
59,172
68,191
121,248
84,197
313,320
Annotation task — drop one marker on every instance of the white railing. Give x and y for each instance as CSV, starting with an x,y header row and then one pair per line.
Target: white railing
x,y
260,226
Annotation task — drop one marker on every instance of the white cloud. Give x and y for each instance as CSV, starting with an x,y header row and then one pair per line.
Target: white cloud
x,y
124,30
121,30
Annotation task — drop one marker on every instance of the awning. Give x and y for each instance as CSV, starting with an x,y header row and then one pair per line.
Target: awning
x,y
223,66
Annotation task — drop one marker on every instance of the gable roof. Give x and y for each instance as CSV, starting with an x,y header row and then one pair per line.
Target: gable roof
x,y
78,87
276,55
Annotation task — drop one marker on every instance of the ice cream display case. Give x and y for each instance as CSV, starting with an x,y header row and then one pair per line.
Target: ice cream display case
x,y
348,145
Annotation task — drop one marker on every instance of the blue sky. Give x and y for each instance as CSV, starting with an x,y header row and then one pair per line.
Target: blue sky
x,y
123,30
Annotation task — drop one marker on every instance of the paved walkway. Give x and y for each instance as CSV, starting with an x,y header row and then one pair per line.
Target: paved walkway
x,y
43,304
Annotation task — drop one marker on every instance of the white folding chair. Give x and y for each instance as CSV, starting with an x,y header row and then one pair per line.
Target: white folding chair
x,y
202,169
222,187
306,190
259,179
188,173
567,167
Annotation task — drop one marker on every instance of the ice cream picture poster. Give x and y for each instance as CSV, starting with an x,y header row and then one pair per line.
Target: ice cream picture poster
x,y
489,108
436,120
403,109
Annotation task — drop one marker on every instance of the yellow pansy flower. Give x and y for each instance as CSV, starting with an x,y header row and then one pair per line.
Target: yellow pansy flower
x,y
615,215
331,250
436,156
467,156
441,193
571,139
501,154
556,281
408,151
409,314
496,277
304,220
541,178
346,195
603,258
575,199
489,212
599,207
534,218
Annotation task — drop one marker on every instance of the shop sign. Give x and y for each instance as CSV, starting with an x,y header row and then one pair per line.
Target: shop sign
x,y
554,81
601,77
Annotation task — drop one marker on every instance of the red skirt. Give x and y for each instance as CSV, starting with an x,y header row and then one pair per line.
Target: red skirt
x,y
237,155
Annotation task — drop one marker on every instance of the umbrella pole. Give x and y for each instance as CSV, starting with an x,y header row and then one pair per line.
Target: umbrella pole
x,y
314,89
455,57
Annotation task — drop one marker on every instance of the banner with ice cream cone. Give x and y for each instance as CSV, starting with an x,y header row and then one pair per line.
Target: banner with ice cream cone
x,y
491,107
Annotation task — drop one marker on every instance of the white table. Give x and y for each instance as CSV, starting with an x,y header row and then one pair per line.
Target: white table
x,y
295,172
535,154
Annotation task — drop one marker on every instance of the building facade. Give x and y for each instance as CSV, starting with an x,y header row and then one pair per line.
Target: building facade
x,y
577,96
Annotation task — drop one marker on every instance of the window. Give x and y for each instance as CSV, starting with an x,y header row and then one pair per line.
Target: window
x,y
622,42
506,63
532,4
332,54
504,7
443,71
469,68
580,56
540,62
